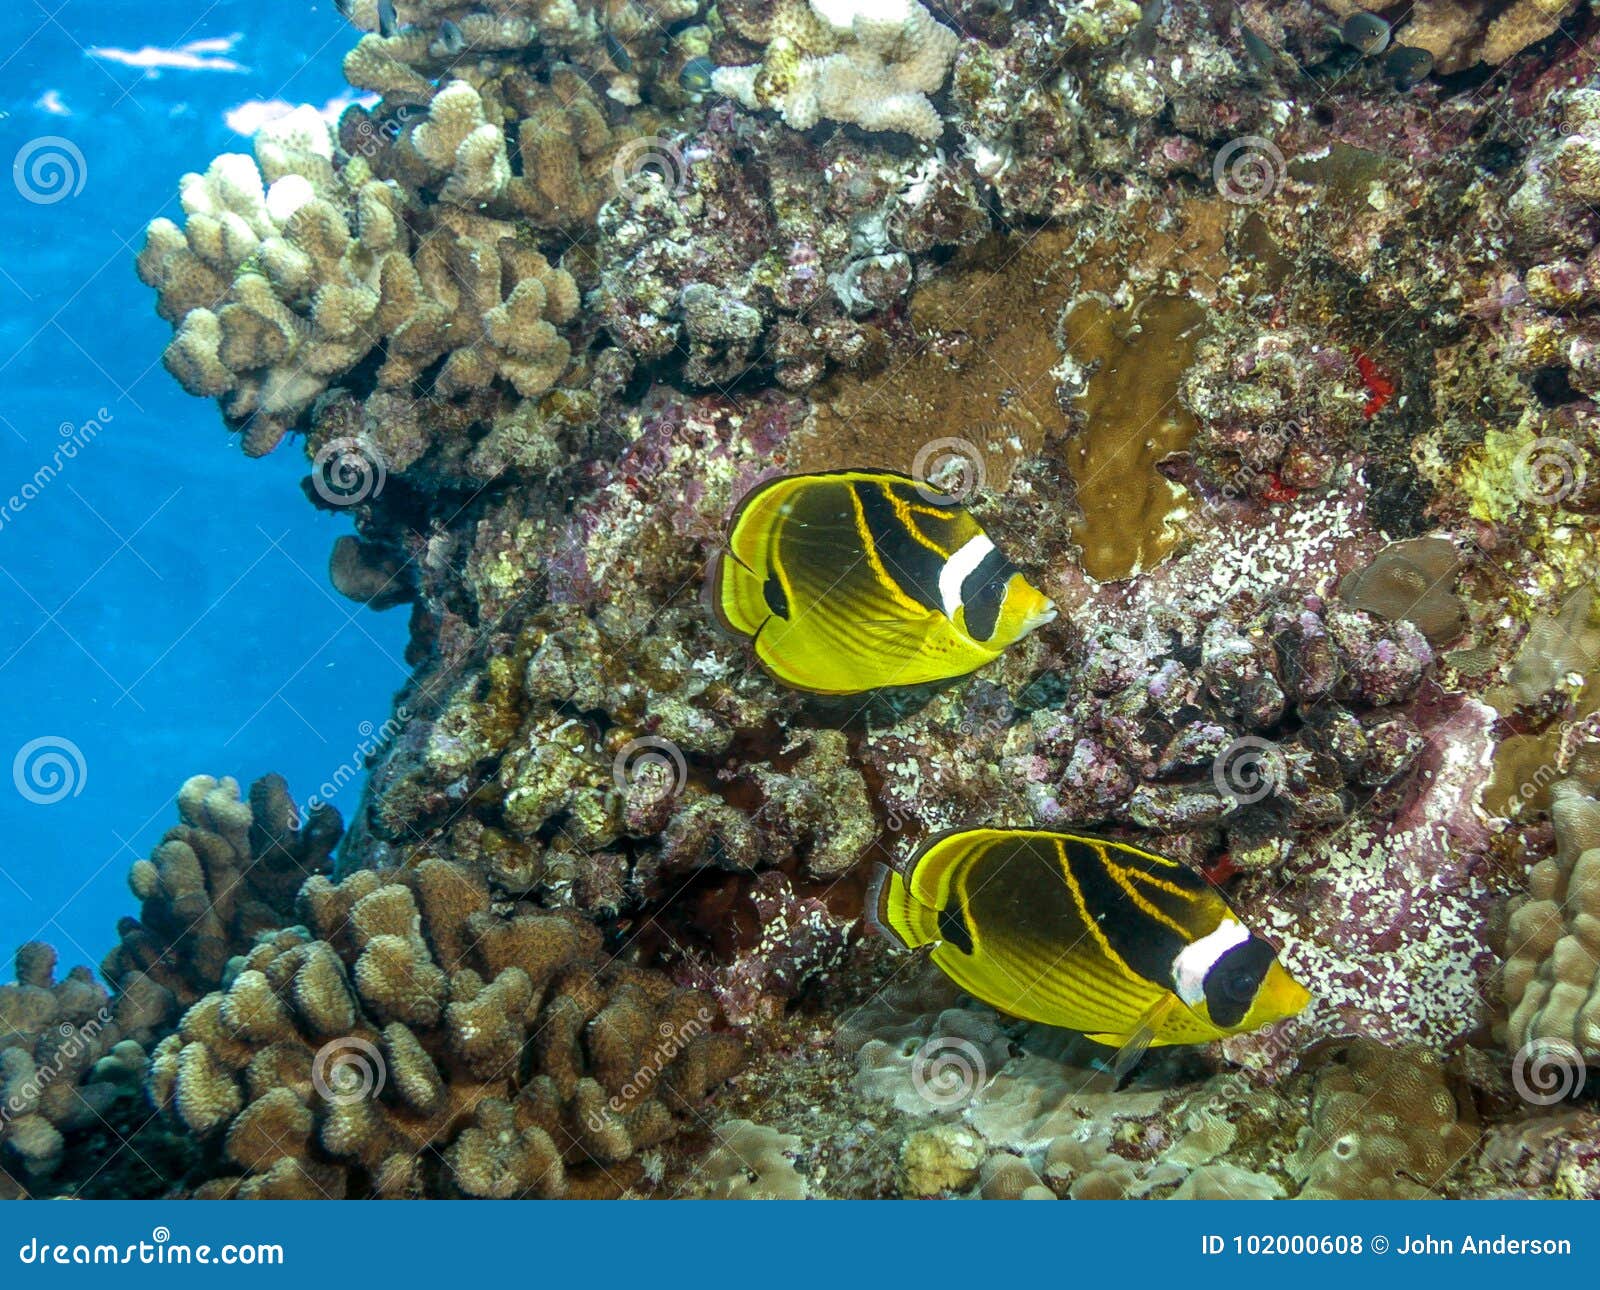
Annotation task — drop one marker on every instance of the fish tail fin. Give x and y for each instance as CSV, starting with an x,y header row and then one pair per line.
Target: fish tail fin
x,y
896,914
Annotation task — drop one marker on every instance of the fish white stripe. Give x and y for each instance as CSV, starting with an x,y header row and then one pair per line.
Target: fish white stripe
x,y
1194,961
956,569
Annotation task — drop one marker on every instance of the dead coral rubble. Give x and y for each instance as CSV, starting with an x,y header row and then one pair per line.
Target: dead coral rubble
x,y
1265,728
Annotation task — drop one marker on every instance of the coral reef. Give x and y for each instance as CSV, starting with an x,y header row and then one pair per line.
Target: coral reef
x,y
1552,968
274,297
1460,33
871,64
1267,355
230,870
412,1042
64,1060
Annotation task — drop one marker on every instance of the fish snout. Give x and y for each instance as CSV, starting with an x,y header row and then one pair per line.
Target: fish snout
x,y
1047,613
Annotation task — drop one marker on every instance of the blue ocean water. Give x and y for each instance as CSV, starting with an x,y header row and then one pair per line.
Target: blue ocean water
x,y
164,601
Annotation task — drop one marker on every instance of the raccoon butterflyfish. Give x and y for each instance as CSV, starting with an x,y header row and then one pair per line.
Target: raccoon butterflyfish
x,y
1088,934
861,580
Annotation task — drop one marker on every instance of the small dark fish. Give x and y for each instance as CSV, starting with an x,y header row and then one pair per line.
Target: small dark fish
x,y
1406,65
1366,32
1263,55
451,41
388,19
695,75
1141,42
620,58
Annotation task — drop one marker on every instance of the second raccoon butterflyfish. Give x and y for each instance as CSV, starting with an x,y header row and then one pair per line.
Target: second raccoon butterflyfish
x,y
1088,934
859,580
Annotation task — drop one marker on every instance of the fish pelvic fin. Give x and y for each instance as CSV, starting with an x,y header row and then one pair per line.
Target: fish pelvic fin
x,y
894,913
1132,1047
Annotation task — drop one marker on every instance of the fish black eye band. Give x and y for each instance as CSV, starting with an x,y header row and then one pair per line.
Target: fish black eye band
x,y
1234,979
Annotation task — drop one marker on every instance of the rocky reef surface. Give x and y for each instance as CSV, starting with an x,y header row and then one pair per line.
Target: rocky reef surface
x,y
1267,348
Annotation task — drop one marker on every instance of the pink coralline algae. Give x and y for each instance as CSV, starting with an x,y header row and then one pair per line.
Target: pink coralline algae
x,y
1384,918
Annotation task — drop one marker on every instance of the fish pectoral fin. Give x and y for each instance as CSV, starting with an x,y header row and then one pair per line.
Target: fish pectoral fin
x,y
1133,1046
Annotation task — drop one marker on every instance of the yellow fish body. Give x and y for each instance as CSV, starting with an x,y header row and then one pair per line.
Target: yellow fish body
x,y
1087,934
859,580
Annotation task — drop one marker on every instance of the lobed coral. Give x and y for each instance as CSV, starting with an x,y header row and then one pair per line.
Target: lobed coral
x,y
1552,969
413,1041
229,870
65,1059
635,50
871,64
274,297
1384,1125
750,1162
